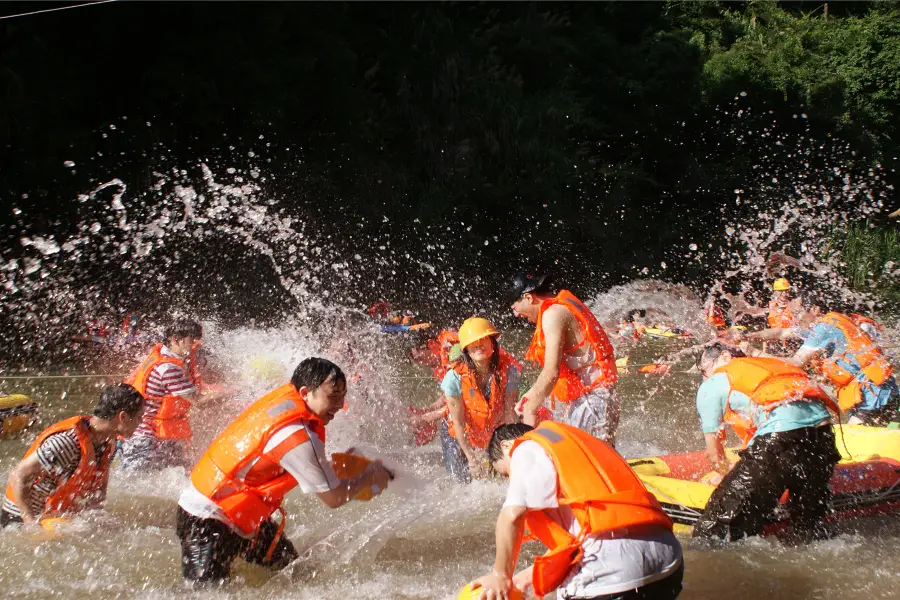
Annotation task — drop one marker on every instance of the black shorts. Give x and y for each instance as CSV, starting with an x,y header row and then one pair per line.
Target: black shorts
x,y
208,547
667,588
7,518
800,461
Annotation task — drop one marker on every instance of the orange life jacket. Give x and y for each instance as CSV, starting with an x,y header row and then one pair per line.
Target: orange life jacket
x,y
87,479
605,496
769,383
482,414
171,420
440,346
716,318
859,348
569,386
251,499
780,316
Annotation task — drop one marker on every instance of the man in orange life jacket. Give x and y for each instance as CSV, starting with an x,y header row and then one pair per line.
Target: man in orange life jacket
x,y
169,381
66,469
578,367
608,537
782,417
838,347
275,445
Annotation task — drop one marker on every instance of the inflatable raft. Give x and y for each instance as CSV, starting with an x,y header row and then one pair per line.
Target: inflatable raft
x,y
17,413
865,483
666,333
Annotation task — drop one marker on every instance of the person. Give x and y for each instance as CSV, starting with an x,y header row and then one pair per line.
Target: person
x,y
170,382
848,359
480,391
578,366
438,353
278,443
783,419
608,537
780,306
66,469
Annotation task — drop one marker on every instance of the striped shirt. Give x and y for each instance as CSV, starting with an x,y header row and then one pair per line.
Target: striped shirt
x,y
58,456
166,379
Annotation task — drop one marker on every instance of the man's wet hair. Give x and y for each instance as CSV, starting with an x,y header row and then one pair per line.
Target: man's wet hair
x,y
313,372
182,328
504,433
118,398
713,351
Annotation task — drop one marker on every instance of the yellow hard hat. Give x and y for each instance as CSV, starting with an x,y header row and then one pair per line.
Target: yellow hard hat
x,y
468,593
474,329
781,285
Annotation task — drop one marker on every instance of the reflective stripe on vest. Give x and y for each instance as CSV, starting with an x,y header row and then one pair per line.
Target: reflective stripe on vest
x,y
250,499
603,492
171,420
87,479
482,415
769,383
570,386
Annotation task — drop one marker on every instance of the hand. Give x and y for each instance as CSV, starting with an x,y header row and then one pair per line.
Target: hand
x,y
712,478
523,580
494,586
529,417
477,468
380,477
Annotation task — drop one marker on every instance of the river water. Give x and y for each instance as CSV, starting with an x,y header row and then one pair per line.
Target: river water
x,y
421,540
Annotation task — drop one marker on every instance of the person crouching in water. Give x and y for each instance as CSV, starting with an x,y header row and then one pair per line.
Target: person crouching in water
x,y
480,390
782,417
276,444
66,469
578,365
608,536
169,381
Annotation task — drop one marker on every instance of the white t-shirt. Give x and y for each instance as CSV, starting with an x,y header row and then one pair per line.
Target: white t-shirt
x,y
609,566
307,463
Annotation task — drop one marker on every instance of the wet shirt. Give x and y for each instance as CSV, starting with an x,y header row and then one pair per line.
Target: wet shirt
x,y
58,456
713,395
829,341
166,379
609,566
452,383
306,462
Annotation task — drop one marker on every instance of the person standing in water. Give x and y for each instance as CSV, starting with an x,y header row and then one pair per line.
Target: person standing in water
x,y
278,443
578,366
169,381
480,390
783,419
608,536
66,469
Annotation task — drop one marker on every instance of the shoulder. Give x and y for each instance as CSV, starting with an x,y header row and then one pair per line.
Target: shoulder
x,y
714,389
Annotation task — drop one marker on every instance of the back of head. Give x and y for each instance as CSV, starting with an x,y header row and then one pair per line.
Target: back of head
x,y
522,283
313,372
713,351
505,433
182,328
118,398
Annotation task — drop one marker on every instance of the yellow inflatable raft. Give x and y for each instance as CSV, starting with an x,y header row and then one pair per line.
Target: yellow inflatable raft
x,y
865,483
17,412
665,332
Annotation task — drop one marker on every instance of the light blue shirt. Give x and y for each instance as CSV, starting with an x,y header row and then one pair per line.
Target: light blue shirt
x,y
452,383
714,394
829,341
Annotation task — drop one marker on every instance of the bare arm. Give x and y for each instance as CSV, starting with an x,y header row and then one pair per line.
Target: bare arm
x,y
509,532
803,356
21,479
554,327
458,415
774,334
374,475
510,399
715,453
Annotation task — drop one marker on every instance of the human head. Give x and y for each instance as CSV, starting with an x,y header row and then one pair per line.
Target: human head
x,y
181,335
526,293
501,444
121,405
322,385
714,356
478,340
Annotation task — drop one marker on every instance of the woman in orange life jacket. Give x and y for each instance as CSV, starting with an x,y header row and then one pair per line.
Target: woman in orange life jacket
x,y
481,390
848,359
170,383
278,443
607,536
782,417
578,366
66,469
